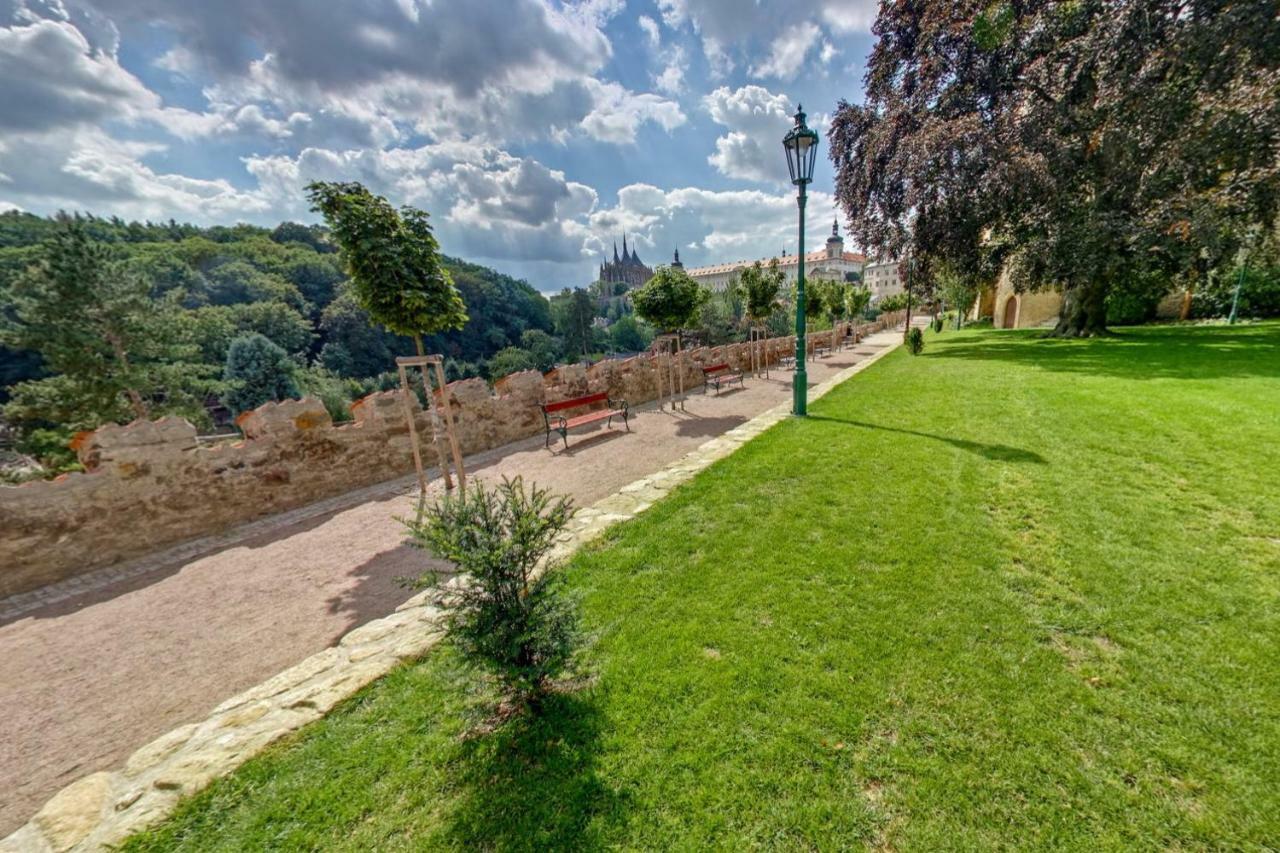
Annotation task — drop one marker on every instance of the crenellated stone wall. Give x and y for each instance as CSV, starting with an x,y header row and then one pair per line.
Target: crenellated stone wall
x,y
149,484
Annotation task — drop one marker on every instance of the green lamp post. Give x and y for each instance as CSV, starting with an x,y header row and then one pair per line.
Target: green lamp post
x,y
801,145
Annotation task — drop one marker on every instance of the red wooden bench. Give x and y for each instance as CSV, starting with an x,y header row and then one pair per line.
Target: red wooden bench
x,y
720,375
561,424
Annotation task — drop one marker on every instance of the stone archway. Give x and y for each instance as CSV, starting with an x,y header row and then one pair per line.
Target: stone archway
x,y
1010,313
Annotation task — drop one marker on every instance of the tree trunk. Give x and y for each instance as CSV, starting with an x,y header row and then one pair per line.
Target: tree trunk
x,y
1084,311
136,402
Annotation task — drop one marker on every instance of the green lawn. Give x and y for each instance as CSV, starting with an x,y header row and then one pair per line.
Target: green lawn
x,y
1011,593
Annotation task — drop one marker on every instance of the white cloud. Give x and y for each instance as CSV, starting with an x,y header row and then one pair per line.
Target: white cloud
x,y
89,170
757,120
618,113
788,51
730,32
650,28
54,79
671,79
708,226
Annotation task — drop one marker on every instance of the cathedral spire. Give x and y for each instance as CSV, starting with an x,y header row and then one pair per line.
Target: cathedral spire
x,y
835,228
615,251
676,263
624,245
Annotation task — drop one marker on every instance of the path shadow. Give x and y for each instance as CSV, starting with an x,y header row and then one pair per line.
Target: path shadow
x,y
1144,352
708,427
533,784
381,586
994,452
586,440
168,567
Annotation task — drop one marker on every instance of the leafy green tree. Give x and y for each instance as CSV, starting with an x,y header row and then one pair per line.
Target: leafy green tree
x,y
257,371
833,299
114,352
509,620
761,287
543,348
316,277
394,260
627,335
574,312
856,301
509,360
236,282
354,346
958,289
670,300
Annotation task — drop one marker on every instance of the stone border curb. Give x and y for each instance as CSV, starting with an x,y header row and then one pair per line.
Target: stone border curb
x,y
105,808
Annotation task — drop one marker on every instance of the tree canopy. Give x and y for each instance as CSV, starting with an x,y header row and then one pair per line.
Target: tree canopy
x,y
760,287
670,300
397,274
1078,145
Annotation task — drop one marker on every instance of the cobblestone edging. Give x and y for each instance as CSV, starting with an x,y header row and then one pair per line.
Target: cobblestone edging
x,y
106,807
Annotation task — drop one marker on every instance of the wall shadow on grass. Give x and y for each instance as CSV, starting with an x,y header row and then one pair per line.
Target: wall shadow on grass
x,y
1143,352
532,785
994,452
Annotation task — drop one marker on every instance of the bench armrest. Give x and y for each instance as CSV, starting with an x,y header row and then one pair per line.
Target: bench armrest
x,y
560,421
619,404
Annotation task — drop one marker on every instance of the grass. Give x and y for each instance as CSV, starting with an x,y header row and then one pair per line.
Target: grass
x,y
1012,593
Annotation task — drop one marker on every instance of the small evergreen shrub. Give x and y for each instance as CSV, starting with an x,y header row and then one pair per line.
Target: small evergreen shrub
x,y
506,618
937,324
257,371
914,340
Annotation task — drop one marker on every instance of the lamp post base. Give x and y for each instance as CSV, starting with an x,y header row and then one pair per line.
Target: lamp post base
x,y
800,391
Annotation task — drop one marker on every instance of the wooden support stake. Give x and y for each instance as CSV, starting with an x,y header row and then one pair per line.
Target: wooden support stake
x,y
448,419
433,408
413,430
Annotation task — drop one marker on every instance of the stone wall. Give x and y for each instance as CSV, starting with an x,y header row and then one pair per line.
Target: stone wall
x,y
149,484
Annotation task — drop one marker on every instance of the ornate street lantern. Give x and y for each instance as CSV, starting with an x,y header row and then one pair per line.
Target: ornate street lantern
x,y
801,145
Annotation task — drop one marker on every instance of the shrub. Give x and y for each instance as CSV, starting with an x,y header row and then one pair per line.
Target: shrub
x,y
937,324
335,392
506,617
914,340
257,371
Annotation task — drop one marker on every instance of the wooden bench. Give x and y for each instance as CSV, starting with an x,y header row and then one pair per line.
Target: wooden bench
x,y
562,424
720,375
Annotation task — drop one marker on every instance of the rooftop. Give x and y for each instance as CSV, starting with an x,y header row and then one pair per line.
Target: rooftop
x,y
787,260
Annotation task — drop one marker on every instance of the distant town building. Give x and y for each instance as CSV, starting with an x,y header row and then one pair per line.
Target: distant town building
x,y
832,263
627,269
882,278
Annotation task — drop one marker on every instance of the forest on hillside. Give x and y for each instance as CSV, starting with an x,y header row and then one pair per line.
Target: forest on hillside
x,y
206,287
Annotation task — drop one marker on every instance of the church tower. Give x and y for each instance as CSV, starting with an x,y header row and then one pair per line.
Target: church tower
x,y
835,243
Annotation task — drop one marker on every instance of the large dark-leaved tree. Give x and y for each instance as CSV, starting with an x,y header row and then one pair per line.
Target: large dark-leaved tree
x,y
397,275
1080,145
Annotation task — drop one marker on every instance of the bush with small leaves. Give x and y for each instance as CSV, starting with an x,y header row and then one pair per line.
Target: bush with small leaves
x,y
937,324
509,616
915,340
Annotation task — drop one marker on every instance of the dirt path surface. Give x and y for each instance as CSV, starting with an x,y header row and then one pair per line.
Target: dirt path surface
x,y
86,681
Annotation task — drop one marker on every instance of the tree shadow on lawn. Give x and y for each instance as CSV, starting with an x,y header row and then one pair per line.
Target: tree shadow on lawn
x,y
1147,352
532,784
994,452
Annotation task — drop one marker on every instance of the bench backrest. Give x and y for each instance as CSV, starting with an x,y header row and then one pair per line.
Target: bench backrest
x,y
715,368
589,400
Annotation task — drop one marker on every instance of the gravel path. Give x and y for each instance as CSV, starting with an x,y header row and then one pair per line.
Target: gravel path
x,y
89,678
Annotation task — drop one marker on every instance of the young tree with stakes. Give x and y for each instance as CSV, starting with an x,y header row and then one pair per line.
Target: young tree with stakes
x,y
394,261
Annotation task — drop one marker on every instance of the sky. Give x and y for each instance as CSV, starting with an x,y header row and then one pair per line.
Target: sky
x,y
535,132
